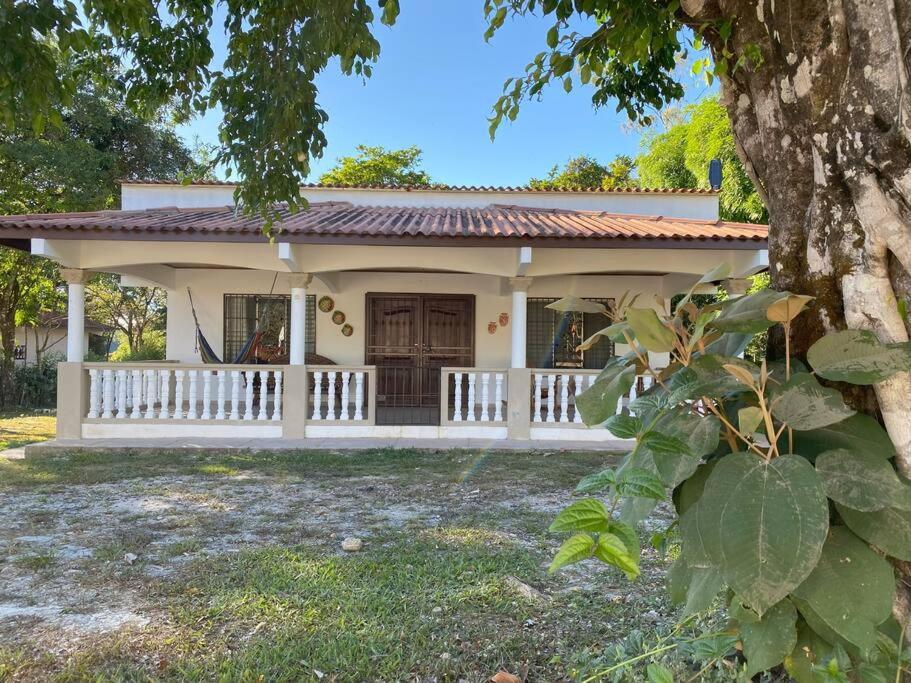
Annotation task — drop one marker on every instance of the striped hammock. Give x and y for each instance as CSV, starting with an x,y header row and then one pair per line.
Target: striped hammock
x,y
247,353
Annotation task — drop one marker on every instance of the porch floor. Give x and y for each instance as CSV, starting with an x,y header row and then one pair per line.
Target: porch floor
x,y
327,444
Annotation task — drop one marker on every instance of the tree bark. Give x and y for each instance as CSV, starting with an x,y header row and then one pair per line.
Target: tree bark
x,y
822,125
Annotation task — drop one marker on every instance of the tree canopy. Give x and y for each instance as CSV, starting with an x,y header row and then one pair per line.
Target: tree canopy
x,y
585,172
680,156
374,165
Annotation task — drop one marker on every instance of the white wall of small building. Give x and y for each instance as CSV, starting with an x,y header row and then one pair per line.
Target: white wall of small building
x,y
491,350
679,205
56,342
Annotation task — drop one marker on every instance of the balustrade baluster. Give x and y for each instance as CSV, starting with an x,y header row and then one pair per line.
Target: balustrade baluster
x,y
122,394
577,416
498,398
263,394
151,393
220,401
137,394
207,376
164,377
330,394
93,394
359,396
317,395
235,395
485,397
192,379
539,379
346,378
457,397
248,395
178,394
107,393
471,402
277,397
551,388
564,398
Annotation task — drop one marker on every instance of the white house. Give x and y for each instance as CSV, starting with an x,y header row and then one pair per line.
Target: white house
x,y
383,311
47,337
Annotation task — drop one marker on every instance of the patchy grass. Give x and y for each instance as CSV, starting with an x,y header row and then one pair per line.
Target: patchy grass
x,y
19,429
239,573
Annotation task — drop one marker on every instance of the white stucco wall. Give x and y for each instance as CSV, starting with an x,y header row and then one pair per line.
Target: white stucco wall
x,y
492,351
639,203
56,342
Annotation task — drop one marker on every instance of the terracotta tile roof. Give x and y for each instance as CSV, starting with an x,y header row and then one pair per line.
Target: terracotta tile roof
x,y
327,220
449,188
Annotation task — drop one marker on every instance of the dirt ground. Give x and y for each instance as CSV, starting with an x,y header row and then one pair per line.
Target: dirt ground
x,y
119,549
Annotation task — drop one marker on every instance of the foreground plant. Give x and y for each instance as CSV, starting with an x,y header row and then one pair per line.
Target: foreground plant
x,y
788,502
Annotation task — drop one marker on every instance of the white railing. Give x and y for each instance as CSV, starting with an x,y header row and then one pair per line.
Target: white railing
x,y
554,392
145,391
341,393
472,395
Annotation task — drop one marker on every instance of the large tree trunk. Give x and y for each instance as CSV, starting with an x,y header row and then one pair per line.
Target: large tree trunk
x,y
822,125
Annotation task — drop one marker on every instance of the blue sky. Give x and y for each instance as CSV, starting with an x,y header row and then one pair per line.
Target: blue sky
x,y
433,87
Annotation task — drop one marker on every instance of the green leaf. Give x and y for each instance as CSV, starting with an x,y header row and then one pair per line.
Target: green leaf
x,y
749,419
663,444
690,491
640,483
574,303
649,330
693,587
769,640
785,310
858,357
583,515
803,403
861,481
729,344
596,482
747,314
697,435
628,535
599,401
611,550
574,549
850,589
888,529
810,651
763,524
658,673
858,433
624,426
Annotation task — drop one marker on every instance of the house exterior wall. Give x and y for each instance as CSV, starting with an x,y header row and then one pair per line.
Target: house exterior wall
x,y
56,342
680,205
491,350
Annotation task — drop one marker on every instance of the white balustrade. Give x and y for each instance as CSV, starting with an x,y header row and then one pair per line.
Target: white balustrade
x,y
332,390
558,394
551,382
117,392
474,404
539,381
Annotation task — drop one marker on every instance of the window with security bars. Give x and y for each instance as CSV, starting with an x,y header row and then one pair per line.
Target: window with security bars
x,y
551,337
274,313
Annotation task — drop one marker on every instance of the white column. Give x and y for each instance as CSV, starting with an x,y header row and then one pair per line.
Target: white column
x,y
517,322
298,335
75,313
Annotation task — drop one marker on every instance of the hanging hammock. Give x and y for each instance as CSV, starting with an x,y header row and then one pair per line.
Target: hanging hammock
x,y
247,353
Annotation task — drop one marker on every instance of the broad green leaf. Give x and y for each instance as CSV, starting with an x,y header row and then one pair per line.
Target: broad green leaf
x,y
803,403
730,344
720,272
640,483
763,524
859,480
664,444
693,587
589,514
747,314
611,550
649,330
613,332
888,529
707,376
850,588
810,651
748,419
574,549
623,426
658,673
690,491
599,401
693,530
768,641
628,535
698,435
858,357
574,303
634,509
785,310
596,482
858,433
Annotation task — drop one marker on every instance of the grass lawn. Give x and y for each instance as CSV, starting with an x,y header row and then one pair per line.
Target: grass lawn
x,y
228,566
21,428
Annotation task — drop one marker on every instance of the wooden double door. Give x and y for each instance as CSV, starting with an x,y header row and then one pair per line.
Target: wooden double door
x,y
409,338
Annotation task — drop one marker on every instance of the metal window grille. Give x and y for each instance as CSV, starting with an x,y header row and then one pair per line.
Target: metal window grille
x,y
274,311
551,337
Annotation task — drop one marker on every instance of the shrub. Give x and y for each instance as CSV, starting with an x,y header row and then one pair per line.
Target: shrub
x,y
152,347
788,503
35,386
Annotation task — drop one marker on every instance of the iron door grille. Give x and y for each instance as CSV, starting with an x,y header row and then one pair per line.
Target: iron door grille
x,y
551,337
242,310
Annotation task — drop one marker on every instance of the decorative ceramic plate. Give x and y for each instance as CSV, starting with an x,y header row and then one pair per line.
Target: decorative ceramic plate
x,y
338,317
326,304
347,330
504,319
